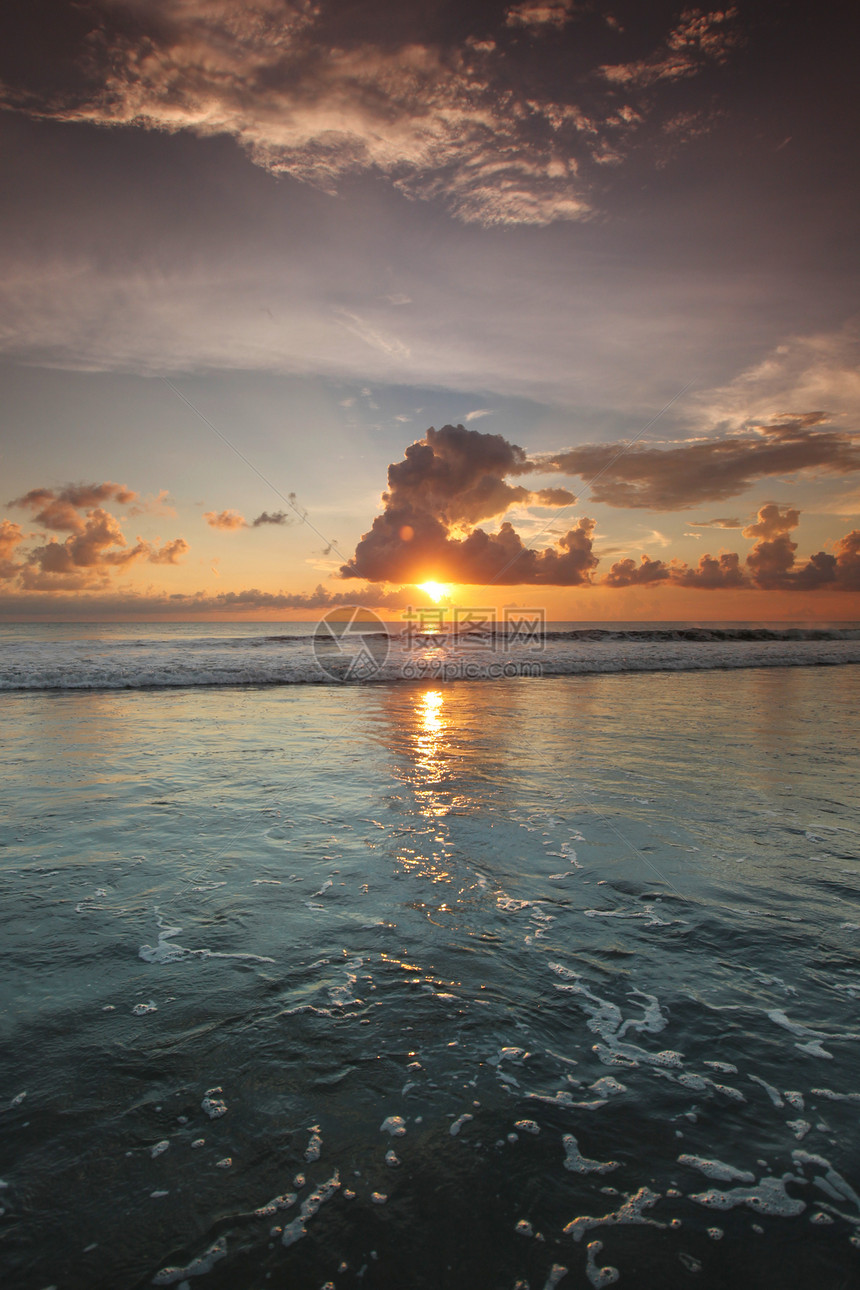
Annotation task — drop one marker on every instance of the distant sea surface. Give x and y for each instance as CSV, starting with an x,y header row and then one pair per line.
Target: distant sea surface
x,y
137,656
529,982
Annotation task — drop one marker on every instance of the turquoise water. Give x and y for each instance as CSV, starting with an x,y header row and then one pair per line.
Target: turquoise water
x,y
578,937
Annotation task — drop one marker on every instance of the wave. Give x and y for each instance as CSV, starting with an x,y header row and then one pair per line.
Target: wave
x,y
290,660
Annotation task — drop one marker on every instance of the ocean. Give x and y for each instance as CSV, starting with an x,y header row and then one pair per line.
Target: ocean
x,y
440,977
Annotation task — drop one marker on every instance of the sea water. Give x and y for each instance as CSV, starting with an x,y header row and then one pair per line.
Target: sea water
x,y
530,982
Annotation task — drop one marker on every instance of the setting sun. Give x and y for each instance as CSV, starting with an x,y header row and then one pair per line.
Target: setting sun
x,y
435,590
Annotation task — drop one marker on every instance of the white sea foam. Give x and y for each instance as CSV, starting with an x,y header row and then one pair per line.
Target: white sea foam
x,y
196,1268
577,1163
767,1197
716,1169
393,1124
295,1230
630,1212
598,1277
166,951
832,1182
191,662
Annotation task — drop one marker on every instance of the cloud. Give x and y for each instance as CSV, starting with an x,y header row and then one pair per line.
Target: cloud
x,y
446,483
60,509
272,517
537,14
769,566
697,38
105,604
89,556
712,573
707,470
11,537
730,523
626,573
821,370
228,521
95,549
478,413
308,94
170,553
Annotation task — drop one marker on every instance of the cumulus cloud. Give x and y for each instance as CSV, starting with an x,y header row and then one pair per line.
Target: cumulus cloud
x,y
60,509
228,521
95,549
627,573
770,566
709,470
306,94
445,485
170,553
11,537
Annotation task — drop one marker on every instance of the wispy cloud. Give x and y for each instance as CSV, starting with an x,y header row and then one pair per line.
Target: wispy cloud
x,y
305,97
678,478
696,39
539,14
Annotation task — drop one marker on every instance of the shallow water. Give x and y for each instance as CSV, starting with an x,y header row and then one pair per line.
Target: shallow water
x,y
549,942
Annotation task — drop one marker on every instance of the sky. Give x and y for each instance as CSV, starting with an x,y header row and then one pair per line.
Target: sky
x,y
551,303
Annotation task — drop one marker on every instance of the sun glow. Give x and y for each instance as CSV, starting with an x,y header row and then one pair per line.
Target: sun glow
x,y
435,590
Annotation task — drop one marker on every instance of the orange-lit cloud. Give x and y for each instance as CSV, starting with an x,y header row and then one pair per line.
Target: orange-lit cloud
x,y
95,549
60,509
770,565
229,521
446,483
11,537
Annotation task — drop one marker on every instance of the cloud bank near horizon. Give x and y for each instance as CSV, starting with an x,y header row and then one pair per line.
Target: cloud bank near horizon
x,y
454,477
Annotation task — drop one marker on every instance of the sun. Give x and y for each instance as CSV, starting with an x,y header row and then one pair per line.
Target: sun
x,y
435,590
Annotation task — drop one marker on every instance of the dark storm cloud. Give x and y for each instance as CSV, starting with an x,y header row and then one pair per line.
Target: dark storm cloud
x,y
309,91
708,470
770,565
446,483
